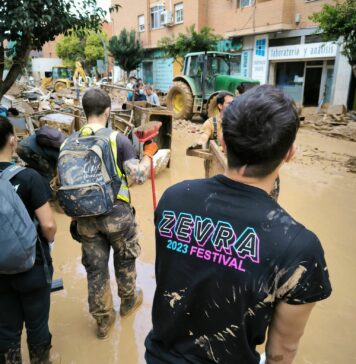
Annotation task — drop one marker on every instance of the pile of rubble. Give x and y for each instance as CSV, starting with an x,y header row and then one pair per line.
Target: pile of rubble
x,y
335,123
188,126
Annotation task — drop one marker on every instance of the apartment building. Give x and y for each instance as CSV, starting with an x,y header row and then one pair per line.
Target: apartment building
x,y
274,39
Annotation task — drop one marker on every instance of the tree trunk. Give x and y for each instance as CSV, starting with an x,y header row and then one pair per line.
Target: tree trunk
x,y
20,61
2,60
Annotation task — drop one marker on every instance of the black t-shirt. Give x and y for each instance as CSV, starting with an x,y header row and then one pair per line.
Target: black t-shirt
x,y
139,97
125,150
227,253
33,192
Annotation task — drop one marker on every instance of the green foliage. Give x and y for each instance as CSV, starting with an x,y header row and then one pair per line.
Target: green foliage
x,y
32,23
339,21
88,48
70,48
191,41
94,47
127,50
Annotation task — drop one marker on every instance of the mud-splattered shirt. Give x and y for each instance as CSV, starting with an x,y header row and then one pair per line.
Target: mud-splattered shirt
x,y
227,253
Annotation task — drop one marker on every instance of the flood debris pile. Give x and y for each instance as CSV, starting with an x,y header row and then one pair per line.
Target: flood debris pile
x,y
339,125
188,126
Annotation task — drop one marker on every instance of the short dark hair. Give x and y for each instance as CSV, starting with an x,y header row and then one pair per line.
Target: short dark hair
x,y
6,130
259,127
240,89
95,101
220,98
13,111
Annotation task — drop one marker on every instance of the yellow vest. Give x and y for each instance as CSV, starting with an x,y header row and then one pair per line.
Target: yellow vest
x,y
124,193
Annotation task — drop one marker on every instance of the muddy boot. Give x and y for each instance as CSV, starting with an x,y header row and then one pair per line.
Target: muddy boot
x,y
129,304
104,325
40,354
12,356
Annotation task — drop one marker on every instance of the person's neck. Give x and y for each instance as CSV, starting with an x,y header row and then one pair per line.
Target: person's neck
x,y
97,120
6,156
265,183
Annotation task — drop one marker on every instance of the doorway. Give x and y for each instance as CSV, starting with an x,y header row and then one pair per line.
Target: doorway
x,y
147,72
312,86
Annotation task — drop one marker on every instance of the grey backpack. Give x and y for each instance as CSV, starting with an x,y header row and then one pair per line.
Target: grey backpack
x,y
18,235
87,174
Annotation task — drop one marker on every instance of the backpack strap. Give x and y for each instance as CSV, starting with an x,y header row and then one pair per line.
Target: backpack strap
x,y
10,172
215,125
113,144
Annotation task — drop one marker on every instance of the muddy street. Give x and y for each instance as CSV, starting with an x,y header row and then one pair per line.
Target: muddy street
x,y
316,189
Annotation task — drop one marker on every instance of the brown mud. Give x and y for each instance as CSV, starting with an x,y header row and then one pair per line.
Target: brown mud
x,y
316,188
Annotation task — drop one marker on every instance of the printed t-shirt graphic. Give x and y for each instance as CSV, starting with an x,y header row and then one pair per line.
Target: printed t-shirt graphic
x,y
226,254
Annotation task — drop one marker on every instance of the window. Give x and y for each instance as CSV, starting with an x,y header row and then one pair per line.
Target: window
x,y
141,23
290,79
235,65
278,42
260,47
313,38
156,12
193,67
178,11
218,65
246,3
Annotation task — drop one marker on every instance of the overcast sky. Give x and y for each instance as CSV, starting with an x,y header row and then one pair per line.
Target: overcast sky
x,y
105,4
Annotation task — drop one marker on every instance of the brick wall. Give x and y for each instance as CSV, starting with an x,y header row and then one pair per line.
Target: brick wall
x,y
224,16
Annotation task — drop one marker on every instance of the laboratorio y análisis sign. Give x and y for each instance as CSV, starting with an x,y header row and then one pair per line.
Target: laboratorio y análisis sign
x,y
303,51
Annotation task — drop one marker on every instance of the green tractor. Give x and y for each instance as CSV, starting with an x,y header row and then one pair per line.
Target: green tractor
x,y
205,74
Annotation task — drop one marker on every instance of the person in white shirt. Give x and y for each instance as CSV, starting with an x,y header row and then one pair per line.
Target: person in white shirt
x,y
131,85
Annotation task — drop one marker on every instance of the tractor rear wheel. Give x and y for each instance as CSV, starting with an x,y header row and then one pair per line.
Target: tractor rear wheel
x,y
180,100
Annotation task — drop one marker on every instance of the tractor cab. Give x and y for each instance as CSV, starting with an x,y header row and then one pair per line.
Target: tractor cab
x,y
205,74
205,68
59,79
61,73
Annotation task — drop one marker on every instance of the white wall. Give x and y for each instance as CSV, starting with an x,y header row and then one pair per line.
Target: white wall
x,y
118,74
42,65
342,77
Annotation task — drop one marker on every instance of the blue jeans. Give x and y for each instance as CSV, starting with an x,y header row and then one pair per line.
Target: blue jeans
x,y
24,298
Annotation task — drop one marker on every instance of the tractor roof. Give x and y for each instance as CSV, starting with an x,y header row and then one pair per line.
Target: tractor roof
x,y
209,52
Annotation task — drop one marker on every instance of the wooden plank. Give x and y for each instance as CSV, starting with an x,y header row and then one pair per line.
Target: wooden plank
x,y
218,154
200,153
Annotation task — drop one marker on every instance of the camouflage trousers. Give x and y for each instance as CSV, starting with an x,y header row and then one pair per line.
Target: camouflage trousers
x,y
118,231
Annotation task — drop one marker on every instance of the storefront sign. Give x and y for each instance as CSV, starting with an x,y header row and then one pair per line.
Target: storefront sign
x,y
259,63
246,63
303,51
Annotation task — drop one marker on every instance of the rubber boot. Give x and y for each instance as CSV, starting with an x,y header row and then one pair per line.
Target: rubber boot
x,y
104,325
12,356
40,354
129,304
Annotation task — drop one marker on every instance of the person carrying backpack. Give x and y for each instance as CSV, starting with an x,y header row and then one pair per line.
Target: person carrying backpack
x,y
93,167
25,262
